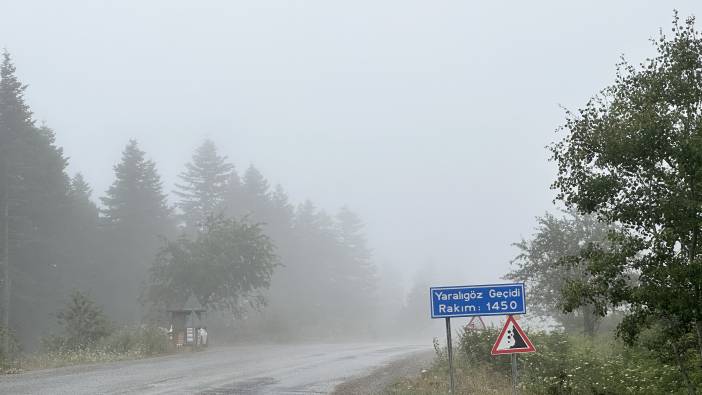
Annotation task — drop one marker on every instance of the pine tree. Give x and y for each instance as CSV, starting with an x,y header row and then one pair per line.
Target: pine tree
x,y
278,217
83,211
81,244
309,272
255,184
16,115
135,201
80,195
284,211
204,185
359,269
234,201
256,194
33,201
84,322
15,119
136,215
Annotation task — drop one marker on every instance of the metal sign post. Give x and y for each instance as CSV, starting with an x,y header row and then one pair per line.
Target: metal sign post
x,y
512,340
450,352
514,374
481,300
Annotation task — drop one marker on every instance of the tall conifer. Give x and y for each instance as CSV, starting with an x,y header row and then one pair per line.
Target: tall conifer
x,y
203,185
33,201
136,214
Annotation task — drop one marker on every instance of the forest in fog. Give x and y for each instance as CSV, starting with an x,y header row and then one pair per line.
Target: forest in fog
x,y
122,248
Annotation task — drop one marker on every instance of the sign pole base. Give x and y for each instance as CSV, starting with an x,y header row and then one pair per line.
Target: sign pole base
x,y
449,348
514,374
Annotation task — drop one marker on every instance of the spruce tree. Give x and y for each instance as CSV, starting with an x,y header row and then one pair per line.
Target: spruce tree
x,y
83,321
15,120
203,186
136,215
255,183
80,195
135,201
359,267
83,236
256,194
234,202
284,211
280,219
33,201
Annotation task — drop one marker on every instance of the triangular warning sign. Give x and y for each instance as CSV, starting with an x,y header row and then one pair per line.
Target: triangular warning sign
x,y
512,339
472,325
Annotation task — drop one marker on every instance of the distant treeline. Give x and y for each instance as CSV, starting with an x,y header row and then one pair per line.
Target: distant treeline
x,y
55,237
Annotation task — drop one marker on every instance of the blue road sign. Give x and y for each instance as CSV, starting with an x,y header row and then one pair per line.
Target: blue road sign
x,y
472,300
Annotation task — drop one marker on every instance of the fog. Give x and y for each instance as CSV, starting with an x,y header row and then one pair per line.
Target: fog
x,y
428,119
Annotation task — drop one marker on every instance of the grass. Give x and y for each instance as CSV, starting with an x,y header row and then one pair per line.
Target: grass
x,y
57,359
563,364
477,379
126,343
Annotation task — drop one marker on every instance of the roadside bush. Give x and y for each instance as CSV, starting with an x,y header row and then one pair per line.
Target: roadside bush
x,y
123,343
579,365
83,321
142,340
89,337
575,364
8,355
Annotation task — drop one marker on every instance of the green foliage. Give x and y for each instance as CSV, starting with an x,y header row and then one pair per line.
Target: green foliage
x,y
204,185
324,256
135,218
633,156
135,201
224,267
123,343
57,239
141,340
83,322
8,355
542,264
39,226
572,364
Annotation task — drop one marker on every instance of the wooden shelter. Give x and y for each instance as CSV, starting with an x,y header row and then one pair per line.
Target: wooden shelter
x,y
185,321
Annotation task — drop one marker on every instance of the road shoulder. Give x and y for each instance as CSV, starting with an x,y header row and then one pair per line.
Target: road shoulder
x,y
377,380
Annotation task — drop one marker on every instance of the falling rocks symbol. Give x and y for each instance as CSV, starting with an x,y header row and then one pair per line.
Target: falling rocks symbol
x,y
512,339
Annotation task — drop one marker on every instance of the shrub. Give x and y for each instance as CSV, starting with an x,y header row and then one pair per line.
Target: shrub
x,y
141,341
8,355
575,364
123,343
83,321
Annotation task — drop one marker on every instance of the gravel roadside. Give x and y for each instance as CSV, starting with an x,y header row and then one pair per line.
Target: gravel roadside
x,y
375,381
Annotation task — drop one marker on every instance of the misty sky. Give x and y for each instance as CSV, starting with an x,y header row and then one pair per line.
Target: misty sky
x,y
428,118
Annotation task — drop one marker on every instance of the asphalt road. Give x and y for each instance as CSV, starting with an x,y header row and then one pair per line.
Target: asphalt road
x,y
255,369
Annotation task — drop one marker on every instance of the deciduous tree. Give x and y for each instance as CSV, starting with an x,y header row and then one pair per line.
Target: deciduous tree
x,y
226,266
542,263
633,156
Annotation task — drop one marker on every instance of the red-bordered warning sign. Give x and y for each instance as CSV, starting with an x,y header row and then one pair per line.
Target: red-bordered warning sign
x,y
473,325
512,339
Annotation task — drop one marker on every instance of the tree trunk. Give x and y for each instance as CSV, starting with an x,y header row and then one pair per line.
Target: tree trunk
x,y
690,388
698,322
698,329
5,261
589,320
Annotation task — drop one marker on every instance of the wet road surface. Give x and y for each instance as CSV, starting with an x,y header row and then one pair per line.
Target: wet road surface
x,y
255,369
